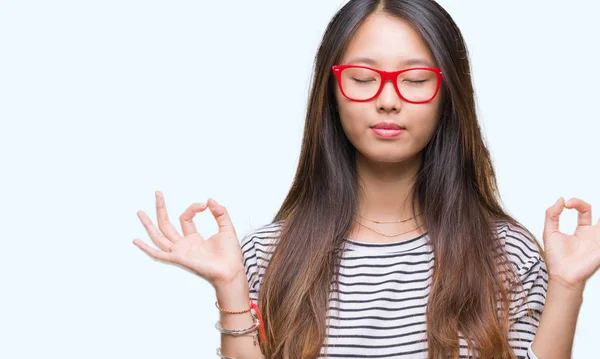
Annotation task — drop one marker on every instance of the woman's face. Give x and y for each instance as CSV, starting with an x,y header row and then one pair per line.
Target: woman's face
x,y
388,43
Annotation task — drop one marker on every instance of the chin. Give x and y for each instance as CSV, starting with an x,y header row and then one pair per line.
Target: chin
x,y
386,157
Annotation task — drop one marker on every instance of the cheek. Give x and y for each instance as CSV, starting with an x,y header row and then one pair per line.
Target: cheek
x,y
354,118
421,136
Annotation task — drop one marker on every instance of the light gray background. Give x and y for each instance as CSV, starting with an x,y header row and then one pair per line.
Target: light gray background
x,y
103,102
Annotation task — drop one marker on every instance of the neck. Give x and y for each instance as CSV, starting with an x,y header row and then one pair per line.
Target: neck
x,y
386,189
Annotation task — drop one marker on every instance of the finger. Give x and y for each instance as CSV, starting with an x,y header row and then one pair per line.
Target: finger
x,y
584,217
221,215
163,256
187,218
155,235
163,219
552,218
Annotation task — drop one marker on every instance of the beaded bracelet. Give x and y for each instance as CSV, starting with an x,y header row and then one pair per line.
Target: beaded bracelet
x,y
231,312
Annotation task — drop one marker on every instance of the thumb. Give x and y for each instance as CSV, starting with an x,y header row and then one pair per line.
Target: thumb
x,y
552,218
221,215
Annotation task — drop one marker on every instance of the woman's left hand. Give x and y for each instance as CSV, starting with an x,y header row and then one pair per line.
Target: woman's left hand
x,y
572,258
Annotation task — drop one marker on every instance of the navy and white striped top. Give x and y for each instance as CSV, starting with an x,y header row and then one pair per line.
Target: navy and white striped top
x,y
383,291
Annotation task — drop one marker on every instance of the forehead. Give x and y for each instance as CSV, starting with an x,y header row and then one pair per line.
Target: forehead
x,y
389,43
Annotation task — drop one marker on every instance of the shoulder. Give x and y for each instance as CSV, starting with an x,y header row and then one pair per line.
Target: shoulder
x,y
262,238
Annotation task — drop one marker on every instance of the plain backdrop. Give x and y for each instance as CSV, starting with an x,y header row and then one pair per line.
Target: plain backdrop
x,y
104,102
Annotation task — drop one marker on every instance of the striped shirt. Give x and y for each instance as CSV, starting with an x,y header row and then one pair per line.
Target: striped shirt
x,y
383,290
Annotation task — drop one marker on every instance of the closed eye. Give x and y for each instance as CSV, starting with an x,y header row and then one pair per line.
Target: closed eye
x,y
362,81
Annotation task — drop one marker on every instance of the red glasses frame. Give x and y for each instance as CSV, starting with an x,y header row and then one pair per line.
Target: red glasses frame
x,y
385,77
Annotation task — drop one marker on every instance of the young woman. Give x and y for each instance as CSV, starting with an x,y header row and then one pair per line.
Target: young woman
x,y
391,242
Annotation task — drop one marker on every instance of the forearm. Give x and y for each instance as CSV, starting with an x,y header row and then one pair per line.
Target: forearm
x,y
554,336
235,297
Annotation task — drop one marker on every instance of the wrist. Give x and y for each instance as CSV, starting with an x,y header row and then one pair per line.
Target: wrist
x,y
233,295
575,286
572,289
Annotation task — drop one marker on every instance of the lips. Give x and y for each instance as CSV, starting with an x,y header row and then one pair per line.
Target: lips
x,y
387,126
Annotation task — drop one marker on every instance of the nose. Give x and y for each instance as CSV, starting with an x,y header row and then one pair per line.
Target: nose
x,y
388,100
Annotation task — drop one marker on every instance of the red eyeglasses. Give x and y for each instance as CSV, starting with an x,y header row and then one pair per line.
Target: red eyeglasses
x,y
362,83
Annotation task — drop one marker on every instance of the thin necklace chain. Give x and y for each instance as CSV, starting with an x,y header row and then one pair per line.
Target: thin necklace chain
x,y
386,235
398,221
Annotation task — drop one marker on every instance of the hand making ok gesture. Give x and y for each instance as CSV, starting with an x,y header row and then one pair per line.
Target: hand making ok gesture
x,y
217,259
572,258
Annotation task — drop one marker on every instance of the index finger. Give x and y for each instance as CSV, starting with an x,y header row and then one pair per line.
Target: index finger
x,y
221,215
584,217
187,218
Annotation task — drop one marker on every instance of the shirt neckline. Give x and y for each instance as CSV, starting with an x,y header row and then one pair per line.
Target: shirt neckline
x,y
396,246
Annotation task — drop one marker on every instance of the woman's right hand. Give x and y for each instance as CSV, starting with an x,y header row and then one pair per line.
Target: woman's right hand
x,y
217,259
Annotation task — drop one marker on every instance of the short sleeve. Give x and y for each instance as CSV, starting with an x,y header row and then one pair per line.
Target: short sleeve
x,y
528,303
527,309
248,245
257,247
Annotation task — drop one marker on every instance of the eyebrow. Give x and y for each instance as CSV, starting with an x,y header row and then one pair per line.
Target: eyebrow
x,y
405,63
